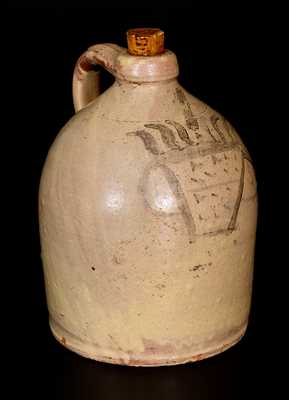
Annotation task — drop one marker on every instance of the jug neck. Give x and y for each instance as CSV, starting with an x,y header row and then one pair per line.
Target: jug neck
x,y
141,69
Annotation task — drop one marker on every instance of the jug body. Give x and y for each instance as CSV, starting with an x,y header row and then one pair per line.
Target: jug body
x,y
147,211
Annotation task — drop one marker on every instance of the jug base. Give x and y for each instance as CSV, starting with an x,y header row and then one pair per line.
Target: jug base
x,y
92,351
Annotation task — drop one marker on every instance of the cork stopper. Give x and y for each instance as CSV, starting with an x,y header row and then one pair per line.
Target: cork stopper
x,y
145,41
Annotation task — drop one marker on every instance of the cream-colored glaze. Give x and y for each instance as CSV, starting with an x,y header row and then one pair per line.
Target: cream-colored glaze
x,y
147,218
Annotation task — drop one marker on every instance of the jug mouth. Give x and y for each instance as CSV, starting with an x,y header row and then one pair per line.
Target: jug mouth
x,y
140,69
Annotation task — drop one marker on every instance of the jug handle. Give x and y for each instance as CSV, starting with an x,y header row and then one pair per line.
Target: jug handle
x,y
85,83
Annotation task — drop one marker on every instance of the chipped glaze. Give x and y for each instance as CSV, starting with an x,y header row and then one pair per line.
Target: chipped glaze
x,y
147,211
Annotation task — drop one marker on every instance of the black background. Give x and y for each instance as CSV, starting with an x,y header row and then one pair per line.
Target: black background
x,y
226,60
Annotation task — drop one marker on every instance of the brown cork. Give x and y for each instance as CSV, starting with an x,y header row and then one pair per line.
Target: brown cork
x,y
145,41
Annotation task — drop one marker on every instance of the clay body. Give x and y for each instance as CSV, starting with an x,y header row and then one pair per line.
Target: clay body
x,y
147,211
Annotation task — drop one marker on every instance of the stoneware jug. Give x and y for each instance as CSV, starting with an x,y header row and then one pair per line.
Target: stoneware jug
x,y
147,213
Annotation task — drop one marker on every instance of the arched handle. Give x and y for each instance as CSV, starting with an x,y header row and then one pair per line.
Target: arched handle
x,y
85,85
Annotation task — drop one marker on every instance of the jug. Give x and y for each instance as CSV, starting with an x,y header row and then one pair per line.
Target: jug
x,y
147,209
